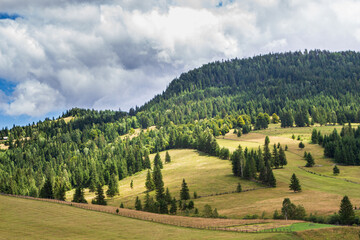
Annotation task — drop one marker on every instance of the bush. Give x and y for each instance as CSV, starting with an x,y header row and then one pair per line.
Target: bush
x,y
301,145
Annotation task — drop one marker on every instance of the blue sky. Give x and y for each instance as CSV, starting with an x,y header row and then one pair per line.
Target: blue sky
x,y
102,54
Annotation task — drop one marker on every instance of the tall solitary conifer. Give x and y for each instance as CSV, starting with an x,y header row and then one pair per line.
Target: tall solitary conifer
x,y
295,184
184,192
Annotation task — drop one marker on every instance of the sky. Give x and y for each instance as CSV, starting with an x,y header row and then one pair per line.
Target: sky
x,y
100,54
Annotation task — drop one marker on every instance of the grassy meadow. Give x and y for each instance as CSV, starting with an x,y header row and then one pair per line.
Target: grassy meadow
x,y
31,219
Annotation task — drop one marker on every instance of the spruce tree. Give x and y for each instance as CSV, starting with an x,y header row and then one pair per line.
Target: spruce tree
x,y
159,184
294,183
282,157
147,163
184,192
149,183
167,196
314,137
267,154
236,160
138,205
47,189
157,161
100,197
270,177
275,157
167,157
238,188
336,170
79,195
113,187
173,207
301,145
346,211
309,160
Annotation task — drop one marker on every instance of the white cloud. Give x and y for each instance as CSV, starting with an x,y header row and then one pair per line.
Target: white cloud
x,y
118,54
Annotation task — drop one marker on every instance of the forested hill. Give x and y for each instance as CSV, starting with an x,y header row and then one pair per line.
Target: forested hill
x,y
268,83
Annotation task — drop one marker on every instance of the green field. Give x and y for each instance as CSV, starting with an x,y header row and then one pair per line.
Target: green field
x,y
210,175
300,227
31,219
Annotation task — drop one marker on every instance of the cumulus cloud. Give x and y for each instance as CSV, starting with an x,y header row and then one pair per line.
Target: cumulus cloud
x,y
118,54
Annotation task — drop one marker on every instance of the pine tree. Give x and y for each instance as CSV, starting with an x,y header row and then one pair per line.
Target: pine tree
x,y
275,157
79,195
270,177
167,196
301,145
309,160
314,137
267,154
159,184
149,183
138,205
100,197
147,163
295,184
157,161
149,204
346,211
236,159
113,186
173,207
238,188
131,184
184,192
336,170
282,157
167,157
47,189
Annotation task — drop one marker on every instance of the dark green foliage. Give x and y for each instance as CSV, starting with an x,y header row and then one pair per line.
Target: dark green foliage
x,y
262,121
157,161
282,157
336,170
295,183
147,163
237,159
138,205
290,211
271,181
275,157
238,188
113,187
190,205
287,119
132,184
159,184
47,189
309,160
121,205
184,192
100,197
149,183
60,190
224,153
167,196
346,212
173,207
150,205
286,147
163,207
167,157
195,195
301,145
79,195
301,118
314,136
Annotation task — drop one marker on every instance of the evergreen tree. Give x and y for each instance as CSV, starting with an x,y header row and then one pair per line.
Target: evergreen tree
x,y
309,160
60,191
288,209
47,189
149,183
159,184
270,177
100,197
131,184
282,157
184,192
79,195
163,207
314,136
238,188
113,186
287,119
275,158
301,145
138,205
167,157
147,163
167,196
149,204
157,161
336,170
267,154
294,183
173,207
346,211
236,159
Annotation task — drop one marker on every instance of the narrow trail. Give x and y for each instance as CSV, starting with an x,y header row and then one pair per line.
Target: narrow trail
x,y
236,225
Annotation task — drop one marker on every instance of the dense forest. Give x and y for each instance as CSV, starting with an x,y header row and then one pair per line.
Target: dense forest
x,y
198,106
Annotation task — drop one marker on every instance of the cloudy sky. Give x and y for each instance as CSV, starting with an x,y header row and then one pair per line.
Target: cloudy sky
x,y
55,55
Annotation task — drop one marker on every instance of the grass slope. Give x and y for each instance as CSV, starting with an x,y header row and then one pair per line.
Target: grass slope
x,y
30,219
